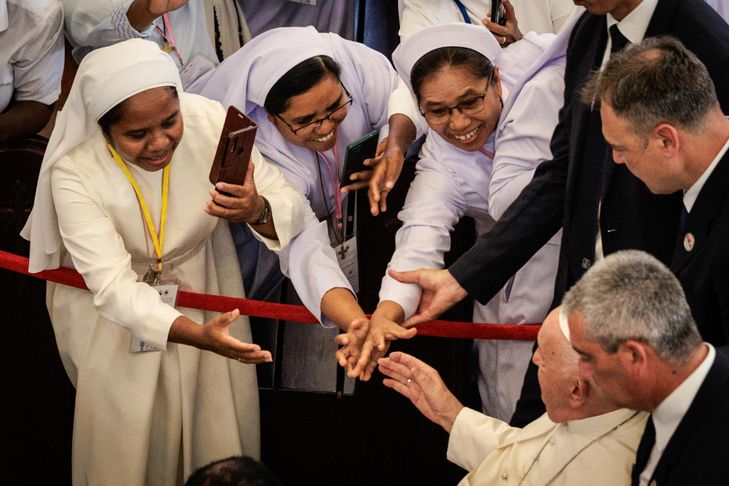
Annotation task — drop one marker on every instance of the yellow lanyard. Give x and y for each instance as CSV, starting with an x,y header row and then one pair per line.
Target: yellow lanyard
x,y
157,242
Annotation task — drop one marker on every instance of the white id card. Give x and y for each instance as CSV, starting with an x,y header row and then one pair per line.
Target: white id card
x,y
347,258
168,293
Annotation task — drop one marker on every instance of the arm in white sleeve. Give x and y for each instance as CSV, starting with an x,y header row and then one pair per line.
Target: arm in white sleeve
x,y
523,140
312,266
433,206
402,101
38,64
419,14
99,255
474,436
99,23
288,208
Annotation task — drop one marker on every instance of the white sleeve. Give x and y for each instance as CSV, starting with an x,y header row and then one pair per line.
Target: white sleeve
x,y
99,255
288,208
38,64
98,23
419,14
401,101
312,266
524,140
474,436
433,206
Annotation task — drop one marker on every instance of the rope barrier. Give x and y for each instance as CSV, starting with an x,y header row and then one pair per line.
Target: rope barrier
x,y
294,313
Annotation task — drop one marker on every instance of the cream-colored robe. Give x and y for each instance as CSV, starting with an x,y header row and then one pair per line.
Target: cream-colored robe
x,y
153,418
585,451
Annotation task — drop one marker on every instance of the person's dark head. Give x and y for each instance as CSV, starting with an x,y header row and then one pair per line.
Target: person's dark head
x,y
308,103
650,94
233,471
145,128
459,94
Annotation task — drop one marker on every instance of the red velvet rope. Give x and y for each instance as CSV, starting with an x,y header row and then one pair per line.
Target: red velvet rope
x,y
294,313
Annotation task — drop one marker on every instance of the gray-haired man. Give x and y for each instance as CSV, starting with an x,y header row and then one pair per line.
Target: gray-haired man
x,y
629,321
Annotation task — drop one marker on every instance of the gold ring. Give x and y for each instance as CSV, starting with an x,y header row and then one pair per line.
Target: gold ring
x,y
503,40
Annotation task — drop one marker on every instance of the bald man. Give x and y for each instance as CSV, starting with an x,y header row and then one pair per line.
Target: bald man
x,y
580,439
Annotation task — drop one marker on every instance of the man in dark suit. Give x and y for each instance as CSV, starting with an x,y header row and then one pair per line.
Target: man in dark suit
x,y
630,323
601,207
662,119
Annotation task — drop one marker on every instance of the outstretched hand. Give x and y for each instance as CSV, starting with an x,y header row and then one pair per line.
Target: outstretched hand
x,y
215,337
422,384
440,292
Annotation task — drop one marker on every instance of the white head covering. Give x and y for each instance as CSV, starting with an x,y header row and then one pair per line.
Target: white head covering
x,y
250,73
245,79
475,37
105,78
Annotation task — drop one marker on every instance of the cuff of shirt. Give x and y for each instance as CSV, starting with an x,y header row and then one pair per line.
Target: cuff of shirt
x,y
157,334
120,22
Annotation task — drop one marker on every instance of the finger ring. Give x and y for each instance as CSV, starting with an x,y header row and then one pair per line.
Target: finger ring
x,y
408,382
503,40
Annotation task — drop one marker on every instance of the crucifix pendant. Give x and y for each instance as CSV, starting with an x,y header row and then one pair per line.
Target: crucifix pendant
x,y
151,277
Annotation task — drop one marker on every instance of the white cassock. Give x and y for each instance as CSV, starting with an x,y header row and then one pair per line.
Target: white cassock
x,y
721,6
541,16
451,183
244,80
597,450
143,418
31,56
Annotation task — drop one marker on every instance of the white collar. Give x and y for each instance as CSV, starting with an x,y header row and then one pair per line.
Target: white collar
x,y
3,15
671,410
634,25
689,197
599,424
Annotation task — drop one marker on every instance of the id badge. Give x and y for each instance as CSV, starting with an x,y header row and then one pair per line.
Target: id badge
x,y
347,258
168,294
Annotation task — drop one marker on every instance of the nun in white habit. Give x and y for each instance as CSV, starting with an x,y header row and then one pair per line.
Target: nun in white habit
x,y
149,410
312,94
488,130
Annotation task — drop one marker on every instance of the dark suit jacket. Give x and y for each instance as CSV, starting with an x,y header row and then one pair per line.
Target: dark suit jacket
x,y
697,452
704,269
630,218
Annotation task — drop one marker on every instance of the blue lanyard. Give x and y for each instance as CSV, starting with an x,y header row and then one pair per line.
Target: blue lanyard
x,y
463,10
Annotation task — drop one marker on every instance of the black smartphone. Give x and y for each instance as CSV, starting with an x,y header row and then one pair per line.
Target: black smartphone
x,y
498,12
357,152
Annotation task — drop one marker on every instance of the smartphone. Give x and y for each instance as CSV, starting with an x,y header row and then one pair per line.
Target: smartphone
x,y
357,152
234,148
498,12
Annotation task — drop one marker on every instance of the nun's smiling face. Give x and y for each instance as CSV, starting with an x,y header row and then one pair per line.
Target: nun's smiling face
x,y
462,108
149,129
312,118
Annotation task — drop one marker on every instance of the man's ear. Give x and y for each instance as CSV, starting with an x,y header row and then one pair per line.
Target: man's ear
x,y
632,355
668,137
578,393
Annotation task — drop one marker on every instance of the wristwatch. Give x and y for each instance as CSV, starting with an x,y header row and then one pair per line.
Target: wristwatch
x,y
265,214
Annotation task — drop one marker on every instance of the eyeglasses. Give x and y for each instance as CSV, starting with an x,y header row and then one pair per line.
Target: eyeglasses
x,y
471,106
321,120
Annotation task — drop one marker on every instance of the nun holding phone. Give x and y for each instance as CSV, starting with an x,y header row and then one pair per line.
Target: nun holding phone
x,y
312,94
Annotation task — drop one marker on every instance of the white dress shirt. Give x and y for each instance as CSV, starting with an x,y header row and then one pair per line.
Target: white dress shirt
x,y
31,51
668,415
542,16
689,197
